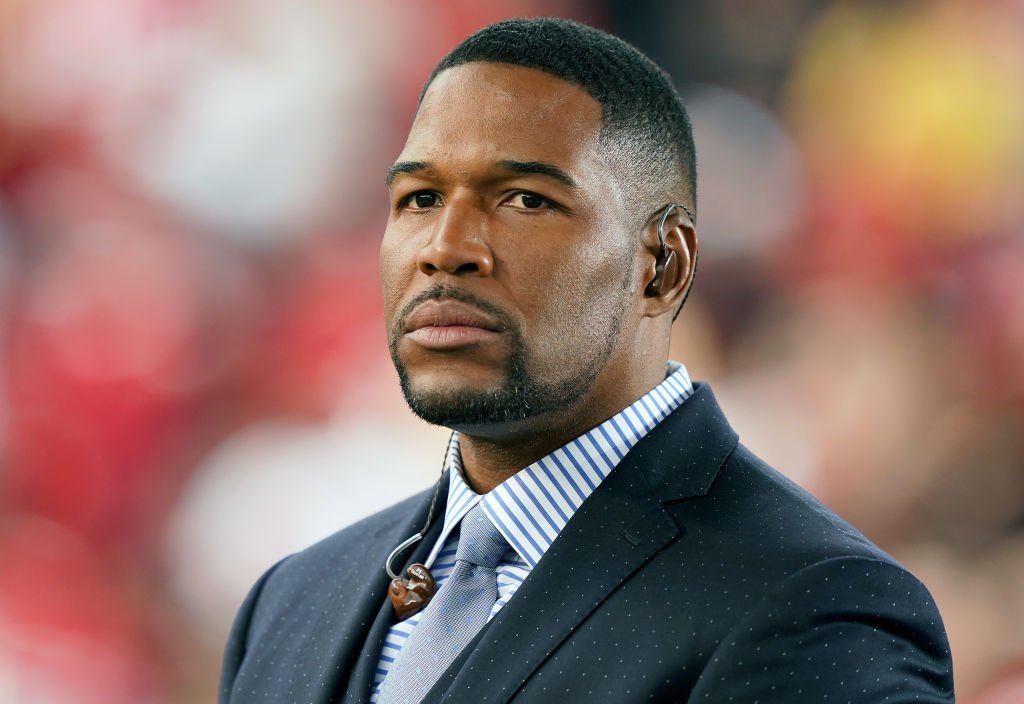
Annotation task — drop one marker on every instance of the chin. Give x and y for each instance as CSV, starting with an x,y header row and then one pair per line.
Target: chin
x,y
485,408
463,409
483,393
462,399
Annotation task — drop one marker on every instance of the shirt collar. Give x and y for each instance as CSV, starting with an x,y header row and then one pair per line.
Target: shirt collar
x,y
531,507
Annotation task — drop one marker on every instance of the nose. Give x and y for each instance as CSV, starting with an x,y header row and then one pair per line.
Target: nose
x,y
457,244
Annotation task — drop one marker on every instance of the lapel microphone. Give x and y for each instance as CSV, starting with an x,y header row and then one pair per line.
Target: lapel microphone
x,y
412,593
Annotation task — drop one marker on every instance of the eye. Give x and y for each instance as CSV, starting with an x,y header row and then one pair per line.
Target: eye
x,y
527,201
421,200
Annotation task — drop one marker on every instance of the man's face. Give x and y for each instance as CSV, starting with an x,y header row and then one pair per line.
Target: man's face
x,y
507,269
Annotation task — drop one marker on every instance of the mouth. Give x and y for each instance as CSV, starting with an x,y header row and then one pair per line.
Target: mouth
x,y
449,324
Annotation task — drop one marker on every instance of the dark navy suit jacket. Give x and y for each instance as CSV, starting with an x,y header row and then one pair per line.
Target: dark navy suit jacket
x,y
694,573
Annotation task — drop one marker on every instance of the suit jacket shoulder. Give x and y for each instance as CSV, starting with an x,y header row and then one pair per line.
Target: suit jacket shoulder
x,y
752,512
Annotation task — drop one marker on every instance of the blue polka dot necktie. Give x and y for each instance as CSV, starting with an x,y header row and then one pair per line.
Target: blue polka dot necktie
x,y
453,617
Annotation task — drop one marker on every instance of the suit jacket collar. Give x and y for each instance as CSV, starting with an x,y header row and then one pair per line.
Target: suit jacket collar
x,y
619,528
681,457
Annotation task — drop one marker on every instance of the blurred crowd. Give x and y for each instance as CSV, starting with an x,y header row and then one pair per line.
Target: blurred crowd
x,y
194,378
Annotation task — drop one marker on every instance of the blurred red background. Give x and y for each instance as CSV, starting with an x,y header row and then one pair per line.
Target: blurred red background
x,y
194,378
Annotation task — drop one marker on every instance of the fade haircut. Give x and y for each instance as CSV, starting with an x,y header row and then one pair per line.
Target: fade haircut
x,y
645,131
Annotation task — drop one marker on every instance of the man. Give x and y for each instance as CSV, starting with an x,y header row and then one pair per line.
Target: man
x,y
598,533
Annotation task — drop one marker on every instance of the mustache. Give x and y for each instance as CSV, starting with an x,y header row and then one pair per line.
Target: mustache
x,y
442,292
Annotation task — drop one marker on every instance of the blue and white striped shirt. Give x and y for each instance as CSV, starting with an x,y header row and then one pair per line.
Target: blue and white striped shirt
x,y
531,507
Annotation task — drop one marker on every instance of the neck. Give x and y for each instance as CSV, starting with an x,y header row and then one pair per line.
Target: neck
x,y
493,454
489,461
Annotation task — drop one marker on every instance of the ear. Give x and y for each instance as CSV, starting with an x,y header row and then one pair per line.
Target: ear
x,y
669,271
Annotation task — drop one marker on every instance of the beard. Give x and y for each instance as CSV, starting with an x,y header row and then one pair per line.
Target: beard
x,y
522,393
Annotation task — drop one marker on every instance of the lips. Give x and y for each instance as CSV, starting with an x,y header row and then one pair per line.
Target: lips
x,y
443,314
449,324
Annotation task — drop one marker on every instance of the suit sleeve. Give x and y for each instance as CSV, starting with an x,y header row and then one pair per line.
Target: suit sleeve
x,y
238,639
849,629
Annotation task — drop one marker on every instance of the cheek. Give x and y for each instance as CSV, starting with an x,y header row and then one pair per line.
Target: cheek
x,y
396,267
574,302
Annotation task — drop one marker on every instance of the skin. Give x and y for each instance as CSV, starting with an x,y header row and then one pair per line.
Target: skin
x,y
565,265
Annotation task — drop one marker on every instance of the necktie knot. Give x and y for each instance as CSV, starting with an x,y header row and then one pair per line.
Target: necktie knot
x,y
480,542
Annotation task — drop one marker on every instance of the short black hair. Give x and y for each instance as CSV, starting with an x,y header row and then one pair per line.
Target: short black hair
x,y
644,128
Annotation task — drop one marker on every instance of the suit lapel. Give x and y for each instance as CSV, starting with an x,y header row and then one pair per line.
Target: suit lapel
x,y
618,528
362,670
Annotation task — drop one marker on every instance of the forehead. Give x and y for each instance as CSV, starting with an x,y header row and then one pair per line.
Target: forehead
x,y
490,111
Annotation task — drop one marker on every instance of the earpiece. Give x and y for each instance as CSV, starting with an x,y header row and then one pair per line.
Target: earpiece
x,y
413,593
666,266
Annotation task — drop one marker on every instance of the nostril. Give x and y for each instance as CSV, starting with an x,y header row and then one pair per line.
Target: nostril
x,y
459,256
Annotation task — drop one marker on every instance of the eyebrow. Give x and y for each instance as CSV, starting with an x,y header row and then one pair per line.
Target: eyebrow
x,y
404,167
519,167
539,167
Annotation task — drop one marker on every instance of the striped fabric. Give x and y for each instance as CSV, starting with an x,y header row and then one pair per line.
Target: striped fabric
x,y
531,507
